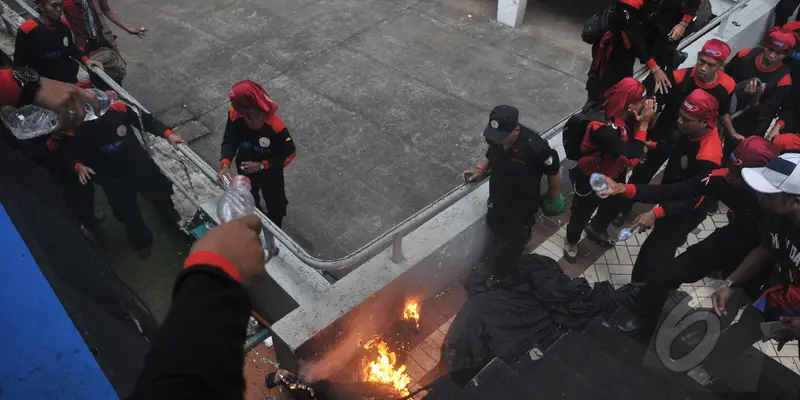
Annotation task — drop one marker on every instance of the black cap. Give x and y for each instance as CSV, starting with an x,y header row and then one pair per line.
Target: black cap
x,y
502,121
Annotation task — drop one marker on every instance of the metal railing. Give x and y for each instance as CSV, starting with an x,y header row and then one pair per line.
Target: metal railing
x,y
394,236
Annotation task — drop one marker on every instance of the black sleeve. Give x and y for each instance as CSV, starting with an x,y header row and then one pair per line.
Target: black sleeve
x,y
655,194
629,21
725,106
74,52
788,114
732,68
685,205
777,97
230,142
285,151
199,352
151,123
69,153
690,7
22,47
608,141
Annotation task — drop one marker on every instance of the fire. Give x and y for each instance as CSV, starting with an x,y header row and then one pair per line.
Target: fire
x,y
383,370
411,312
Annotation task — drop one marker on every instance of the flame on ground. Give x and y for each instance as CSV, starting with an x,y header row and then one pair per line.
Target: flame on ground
x,y
411,312
382,369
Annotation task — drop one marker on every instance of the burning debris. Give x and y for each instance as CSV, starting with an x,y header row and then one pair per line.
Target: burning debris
x,y
382,365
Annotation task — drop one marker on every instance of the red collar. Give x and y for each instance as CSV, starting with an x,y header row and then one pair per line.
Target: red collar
x,y
765,69
703,85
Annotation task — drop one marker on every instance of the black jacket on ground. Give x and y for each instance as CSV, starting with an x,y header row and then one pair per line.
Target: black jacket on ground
x,y
50,50
198,353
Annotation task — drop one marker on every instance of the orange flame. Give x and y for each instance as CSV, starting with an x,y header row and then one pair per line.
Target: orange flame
x,y
382,369
411,312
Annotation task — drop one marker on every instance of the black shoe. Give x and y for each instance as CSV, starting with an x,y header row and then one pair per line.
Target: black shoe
x,y
619,220
629,322
599,238
145,252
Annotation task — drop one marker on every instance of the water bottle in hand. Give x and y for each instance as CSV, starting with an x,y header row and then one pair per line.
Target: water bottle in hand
x,y
31,121
625,234
598,183
237,201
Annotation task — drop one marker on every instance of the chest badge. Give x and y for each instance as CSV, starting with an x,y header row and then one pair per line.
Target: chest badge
x,y
263,142
684,162
549,161
65,41
122,130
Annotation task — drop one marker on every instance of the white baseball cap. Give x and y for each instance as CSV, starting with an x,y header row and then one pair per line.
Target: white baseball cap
x,y
780,175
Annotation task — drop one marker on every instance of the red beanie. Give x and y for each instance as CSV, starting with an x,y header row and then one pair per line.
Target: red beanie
x,y
754,152
716,49
703,106
781,41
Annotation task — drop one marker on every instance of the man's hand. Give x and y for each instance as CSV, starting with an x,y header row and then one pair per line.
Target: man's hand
x,y
677,32
84,174
477,174
719,299
175,139
238,242
647,115
791,325
662,81
645,220
224,171
66,100
614,188
736,136
141,32
93,63
752,86
775,131
552,206
250,167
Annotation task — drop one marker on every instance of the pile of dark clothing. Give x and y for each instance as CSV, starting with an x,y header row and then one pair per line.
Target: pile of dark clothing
x,y
531,308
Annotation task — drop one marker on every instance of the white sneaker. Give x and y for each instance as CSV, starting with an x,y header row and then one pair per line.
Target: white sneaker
x,y
570,251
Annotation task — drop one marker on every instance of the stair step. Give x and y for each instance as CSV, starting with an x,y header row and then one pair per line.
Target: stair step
x,y
445,389
554,379
497,380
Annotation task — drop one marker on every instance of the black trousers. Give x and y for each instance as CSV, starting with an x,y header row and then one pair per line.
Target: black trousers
x,y
80,198
584,203
784,10
619,65
143,178
723,250
270,184
511,231
668,234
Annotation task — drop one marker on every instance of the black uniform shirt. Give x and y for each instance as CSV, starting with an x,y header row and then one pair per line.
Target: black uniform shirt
x,y
517,172
270,144
747,65
782,236
50,50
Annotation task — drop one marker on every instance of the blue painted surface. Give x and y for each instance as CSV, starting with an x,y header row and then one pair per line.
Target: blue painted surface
x,y
43,356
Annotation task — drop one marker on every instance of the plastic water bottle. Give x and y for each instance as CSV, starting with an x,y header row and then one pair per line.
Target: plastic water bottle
x,y
625,234
31,121
598,183
237,201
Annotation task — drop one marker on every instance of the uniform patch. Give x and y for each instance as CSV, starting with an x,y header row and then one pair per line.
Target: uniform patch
x,y
549,161
263,142
684,162
66,42
122,130
494,124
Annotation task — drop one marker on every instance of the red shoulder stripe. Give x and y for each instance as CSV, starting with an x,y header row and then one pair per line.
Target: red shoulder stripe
x,y
719,172
679,75
744,52
64,21
710,148
727,82
276,124
118,106
233,115
28,26
785,81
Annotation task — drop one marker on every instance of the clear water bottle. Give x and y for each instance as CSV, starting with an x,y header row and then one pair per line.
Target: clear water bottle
x,y
625,234
598,183
237,201
31,121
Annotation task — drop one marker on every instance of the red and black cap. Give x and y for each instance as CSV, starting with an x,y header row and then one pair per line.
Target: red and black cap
x,y
502,122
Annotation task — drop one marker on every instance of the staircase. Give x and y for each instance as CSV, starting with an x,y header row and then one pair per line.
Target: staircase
x,y
603,363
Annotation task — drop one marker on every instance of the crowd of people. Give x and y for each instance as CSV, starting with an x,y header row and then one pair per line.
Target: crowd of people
x,y
725,128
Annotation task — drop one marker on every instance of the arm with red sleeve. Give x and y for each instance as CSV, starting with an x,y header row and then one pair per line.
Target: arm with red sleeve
x,y
608,141
9,89
682,206
777,98
689,9
695,187
198,351
230,143
629,18
285,149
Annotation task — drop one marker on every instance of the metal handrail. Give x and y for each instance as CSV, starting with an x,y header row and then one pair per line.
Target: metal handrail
x,y
720,21
393,236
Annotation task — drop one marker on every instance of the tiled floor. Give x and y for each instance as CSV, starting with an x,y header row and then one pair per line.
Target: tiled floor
x,y
613,265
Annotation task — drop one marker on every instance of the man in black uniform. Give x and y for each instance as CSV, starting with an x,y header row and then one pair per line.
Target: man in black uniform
x,y
778,188
665,24
107,151
46,45
707,75
696,153
725,248
759,70
517,158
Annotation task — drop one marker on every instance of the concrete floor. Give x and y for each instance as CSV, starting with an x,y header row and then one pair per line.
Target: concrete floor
x,y
386,99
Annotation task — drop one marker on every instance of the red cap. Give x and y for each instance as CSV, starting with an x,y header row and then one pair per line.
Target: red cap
x,y
754,152
248,94
716,49
703,106
781,41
